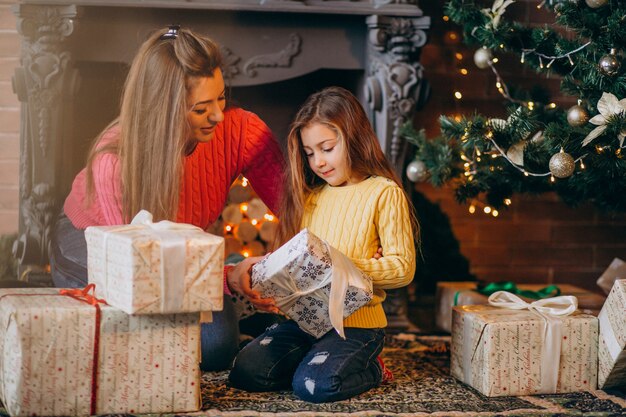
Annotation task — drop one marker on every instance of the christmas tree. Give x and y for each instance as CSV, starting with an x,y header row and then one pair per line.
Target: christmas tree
x,y
578,151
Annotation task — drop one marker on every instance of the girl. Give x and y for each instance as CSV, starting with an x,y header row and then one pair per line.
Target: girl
x,y
340,186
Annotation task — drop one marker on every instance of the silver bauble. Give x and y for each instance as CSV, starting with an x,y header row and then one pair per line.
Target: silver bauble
x,y
577,116
416,171
609,64
562,165
594,4
482,57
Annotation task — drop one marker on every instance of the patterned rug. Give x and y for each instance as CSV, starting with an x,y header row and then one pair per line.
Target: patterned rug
x,y
421,387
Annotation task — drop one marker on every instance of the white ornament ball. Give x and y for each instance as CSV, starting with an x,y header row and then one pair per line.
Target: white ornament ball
x,y
482,58
562,165
416,171
577,116
594,4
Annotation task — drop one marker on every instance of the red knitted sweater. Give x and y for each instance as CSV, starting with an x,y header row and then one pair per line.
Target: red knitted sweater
x,y
243,144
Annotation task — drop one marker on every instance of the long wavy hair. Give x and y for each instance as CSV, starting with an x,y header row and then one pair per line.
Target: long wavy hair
x,y
153,121
339,110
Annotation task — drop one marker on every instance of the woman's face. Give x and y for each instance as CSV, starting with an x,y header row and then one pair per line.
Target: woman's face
x,y
206,102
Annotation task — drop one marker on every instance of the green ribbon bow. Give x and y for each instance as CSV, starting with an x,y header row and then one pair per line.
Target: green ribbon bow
x,y
488,289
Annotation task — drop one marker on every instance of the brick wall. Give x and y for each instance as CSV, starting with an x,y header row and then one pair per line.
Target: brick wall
x,y
538,239
9,120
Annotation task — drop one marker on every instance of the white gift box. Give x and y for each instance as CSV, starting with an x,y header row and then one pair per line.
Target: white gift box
x,y
164,267
516,351
60,356
612,344
313,283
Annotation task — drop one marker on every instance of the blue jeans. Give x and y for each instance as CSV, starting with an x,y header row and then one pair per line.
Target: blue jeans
x,y
68,263
318,370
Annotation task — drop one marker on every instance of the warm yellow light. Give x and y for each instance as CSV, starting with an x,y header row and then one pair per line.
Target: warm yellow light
x,y
487,209
445,18
458,95
531,105
467,173
243,208
552,105
244,181
269,217
254,222
552,179
499,84
525,173
494,155
495,60
472,209
464,71
582,165
466,165
507,201
501,46
245,253
453,36
458,56
228,228
495,213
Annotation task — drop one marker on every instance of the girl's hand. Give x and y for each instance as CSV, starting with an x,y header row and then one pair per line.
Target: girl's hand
x,y
378,254
238,280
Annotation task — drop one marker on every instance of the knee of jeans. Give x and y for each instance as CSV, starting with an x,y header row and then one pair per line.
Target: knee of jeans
x,y
316,387
248,375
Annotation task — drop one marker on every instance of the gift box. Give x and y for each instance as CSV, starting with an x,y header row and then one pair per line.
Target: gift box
x,y
67,355
612,343
312,283
164,267
450,294
503,352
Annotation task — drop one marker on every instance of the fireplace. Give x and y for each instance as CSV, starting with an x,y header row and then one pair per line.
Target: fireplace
x,y
75,55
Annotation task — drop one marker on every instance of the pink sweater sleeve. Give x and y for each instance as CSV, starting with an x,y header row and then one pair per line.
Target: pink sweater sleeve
x,y
263,162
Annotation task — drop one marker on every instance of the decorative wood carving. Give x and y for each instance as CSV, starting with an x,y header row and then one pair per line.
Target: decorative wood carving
x,y
279,59
43,83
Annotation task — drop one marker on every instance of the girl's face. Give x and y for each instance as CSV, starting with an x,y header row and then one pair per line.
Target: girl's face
x,y
326,155
206,102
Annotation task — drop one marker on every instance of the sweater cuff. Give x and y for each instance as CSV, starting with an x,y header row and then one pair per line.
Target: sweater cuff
x,y
227,268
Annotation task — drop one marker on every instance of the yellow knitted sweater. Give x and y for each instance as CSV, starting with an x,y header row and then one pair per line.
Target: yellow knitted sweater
x,y
358,219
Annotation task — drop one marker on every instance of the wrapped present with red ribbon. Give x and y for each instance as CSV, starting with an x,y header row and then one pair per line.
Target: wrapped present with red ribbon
x,y
612,344
450,294
156,268
64,352
512,347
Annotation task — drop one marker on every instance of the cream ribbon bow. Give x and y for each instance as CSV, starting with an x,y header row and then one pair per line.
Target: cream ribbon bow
x,y
608,107
551,310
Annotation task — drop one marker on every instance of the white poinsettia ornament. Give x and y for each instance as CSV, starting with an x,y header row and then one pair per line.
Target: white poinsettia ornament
x,y
609,107
496,12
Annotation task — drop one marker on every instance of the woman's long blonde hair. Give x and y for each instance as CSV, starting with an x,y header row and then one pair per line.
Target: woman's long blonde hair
x,y
340,111
153,121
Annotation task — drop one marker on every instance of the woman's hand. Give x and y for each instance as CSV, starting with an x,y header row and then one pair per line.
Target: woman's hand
x,y
238,280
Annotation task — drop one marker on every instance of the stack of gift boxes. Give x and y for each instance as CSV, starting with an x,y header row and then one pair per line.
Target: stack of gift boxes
x,y
522,346
130,346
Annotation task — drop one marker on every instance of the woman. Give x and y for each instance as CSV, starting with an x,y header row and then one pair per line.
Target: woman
x,y
174,150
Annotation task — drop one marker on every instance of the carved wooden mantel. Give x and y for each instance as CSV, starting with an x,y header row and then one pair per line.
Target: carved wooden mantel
x,y
264,41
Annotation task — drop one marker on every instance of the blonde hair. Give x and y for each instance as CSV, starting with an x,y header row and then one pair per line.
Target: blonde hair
x,y
340,111
153,121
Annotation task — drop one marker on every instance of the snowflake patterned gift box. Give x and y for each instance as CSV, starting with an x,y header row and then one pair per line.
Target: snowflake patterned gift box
x,y
313,283
67,355
164,267
612,344
509,351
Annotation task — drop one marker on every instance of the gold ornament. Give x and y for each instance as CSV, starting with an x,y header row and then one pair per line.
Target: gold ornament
x,y
246,232
268,231
256,209
609,64
232,214
577,116
562,164
594,4
482,57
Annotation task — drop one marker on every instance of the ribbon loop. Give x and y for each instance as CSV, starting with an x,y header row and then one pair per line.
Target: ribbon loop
x,y
83,294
